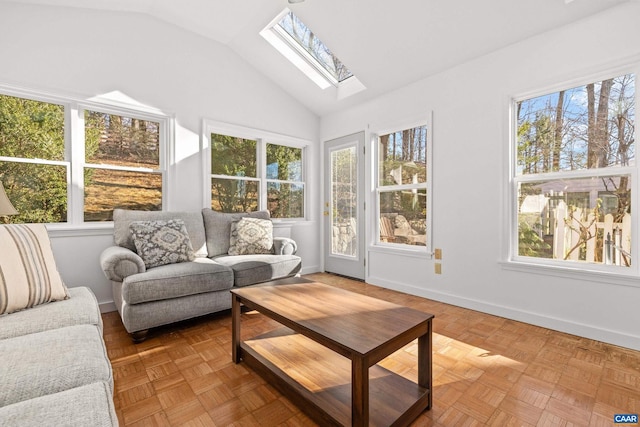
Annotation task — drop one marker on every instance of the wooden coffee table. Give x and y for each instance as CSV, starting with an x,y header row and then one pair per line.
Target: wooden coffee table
x,y
324,357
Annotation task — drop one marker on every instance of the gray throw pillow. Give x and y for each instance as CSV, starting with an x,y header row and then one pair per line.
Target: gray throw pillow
x,y
218,228
161,242
251,236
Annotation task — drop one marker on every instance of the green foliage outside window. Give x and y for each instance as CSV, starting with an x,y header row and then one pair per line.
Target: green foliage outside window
x,y
236,158
235,184
36,167
233,156
33,130
284,163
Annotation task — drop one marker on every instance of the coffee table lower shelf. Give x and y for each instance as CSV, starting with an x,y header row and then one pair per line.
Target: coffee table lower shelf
x,y
318,380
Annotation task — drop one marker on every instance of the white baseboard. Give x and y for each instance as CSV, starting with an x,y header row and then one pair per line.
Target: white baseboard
x,y
311,269
554,323
107,307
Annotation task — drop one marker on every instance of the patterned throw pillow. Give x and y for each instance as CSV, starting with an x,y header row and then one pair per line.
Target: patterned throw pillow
x,y
162,242
251,236
28,272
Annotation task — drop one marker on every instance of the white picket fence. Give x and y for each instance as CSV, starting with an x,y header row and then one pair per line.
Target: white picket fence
x,y
616,246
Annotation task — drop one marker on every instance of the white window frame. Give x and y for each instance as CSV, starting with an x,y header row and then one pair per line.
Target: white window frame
x,y
409,250
566,268
79,149
75,148
262,138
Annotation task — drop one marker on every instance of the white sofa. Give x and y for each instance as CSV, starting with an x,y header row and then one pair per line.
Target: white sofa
x,y
54,369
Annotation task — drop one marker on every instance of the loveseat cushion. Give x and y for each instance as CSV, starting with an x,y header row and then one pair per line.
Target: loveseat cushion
x,y
122,219
251,269
88,405
176,280
48,362
218,228
138,317
80,309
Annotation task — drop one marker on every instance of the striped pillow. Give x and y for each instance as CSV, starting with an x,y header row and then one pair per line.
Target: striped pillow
x,y
28,273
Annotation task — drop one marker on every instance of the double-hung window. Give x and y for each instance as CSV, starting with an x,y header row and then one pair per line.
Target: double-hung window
x,y
574,175
34,165
285,186
122,164
402,184
256,173
66,161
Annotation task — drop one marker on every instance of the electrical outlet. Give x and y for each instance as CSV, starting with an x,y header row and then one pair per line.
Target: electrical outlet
x,y
438,253
438,268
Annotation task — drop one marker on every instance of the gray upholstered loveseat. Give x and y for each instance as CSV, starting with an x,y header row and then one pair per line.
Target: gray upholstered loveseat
x,y
150,297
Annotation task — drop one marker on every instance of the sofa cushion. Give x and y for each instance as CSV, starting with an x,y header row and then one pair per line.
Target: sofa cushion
x,y
80,309
251,236
176,280
52,361
88,405
28,272
137,317
122,218
218,228
250,269
162,242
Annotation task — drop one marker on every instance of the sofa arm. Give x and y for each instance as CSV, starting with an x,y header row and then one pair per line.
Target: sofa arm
x,y
118,262
284,246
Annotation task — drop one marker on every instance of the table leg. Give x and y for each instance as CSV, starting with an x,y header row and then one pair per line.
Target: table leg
x,y
359,392
235,329
425,363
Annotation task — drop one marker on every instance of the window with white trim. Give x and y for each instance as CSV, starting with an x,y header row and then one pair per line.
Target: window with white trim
x,y
66,161
401,190
257,173
122,164
574,175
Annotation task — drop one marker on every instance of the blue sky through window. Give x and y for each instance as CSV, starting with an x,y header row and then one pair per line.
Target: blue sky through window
x,y
537,122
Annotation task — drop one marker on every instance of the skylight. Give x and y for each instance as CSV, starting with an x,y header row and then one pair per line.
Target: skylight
x,y
301,37
292,38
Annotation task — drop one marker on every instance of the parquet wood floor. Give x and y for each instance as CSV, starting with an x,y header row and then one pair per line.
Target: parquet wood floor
x,y
487,370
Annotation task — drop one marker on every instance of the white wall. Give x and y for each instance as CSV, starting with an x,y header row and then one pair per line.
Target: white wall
x,y
470,106
86,53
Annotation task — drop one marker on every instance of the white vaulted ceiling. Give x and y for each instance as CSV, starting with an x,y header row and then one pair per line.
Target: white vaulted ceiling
x,y
386,44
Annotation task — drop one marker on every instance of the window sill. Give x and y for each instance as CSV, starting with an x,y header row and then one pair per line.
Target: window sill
x,y
403,250
625,276
88,229
290,222
106,228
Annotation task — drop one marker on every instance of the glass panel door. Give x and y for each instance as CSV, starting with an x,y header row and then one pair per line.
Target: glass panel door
x,y
343,207
344,199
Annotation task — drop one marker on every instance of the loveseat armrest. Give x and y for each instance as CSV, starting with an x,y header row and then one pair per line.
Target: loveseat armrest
x,y
118,262
284,246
